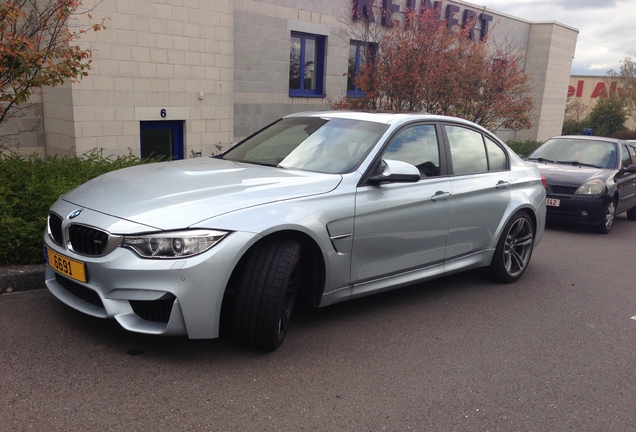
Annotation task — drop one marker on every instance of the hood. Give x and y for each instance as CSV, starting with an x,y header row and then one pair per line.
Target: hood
x,y
178,194
573,175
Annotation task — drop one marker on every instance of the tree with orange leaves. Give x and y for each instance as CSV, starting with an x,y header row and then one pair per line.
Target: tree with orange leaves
x,y
421,64
38,48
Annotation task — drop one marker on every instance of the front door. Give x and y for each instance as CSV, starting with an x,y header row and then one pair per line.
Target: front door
x,y
402,227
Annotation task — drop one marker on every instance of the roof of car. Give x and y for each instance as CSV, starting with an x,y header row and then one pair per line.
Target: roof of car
x,y
375,116
588,138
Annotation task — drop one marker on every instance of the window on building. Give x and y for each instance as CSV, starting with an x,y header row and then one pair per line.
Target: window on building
x,y
360,53
306,65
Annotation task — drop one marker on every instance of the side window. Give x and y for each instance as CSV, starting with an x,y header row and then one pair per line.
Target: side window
x,y
627,160
467,150
306,64
632,152
496,156
418,146
360,54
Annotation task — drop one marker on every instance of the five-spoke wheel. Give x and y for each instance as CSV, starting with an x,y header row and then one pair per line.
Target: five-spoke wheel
x,y
514,249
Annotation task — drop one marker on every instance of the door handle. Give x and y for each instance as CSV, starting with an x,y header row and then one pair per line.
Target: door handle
x,y
502,185
440,196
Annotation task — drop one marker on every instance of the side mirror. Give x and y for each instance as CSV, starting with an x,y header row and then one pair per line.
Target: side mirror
x,y
392,171
631,169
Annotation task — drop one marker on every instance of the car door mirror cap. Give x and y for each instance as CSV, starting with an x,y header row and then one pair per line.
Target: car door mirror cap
x,y
393,171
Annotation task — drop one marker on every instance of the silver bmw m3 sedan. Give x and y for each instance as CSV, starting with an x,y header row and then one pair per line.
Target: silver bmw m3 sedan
x,y
317,207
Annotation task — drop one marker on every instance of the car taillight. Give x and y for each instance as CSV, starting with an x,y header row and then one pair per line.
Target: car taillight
x,y
545,183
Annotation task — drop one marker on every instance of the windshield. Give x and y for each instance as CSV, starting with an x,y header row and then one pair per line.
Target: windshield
x,y
332,146
572,151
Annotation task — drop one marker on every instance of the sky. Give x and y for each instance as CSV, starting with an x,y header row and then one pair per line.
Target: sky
x,y
607,28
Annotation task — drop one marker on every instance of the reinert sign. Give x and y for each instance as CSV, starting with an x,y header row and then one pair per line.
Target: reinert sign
x,y
363,10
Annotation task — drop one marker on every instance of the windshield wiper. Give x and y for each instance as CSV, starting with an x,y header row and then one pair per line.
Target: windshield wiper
x,y
540,159
573,162
253,162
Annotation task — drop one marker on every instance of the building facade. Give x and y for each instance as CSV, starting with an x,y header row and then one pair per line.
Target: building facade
x,y
189,78
586,91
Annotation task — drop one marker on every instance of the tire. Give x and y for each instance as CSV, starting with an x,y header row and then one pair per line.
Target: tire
x,y
266,293
514,249
631,214
609,213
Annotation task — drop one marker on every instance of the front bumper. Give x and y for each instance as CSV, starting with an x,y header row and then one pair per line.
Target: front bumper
x,y
151,296
584,210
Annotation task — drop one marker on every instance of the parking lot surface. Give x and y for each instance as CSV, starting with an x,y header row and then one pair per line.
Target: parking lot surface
x,y
553,352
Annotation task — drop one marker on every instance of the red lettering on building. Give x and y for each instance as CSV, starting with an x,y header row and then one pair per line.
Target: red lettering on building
x,y
601,90
579,88
613,87
571,91
578,91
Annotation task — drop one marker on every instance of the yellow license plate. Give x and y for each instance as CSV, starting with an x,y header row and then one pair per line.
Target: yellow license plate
x,y
68,267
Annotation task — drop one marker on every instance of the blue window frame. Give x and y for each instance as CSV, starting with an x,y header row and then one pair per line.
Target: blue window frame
x,y
360,53
162,139
306,65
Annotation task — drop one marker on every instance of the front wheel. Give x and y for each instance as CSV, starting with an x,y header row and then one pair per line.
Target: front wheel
x,y
609,213
514,249
266,293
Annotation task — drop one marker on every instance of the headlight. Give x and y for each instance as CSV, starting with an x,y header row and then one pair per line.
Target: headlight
x,y
593,187
176,244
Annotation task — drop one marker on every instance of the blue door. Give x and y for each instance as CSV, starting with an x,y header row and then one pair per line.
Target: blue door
x,y
162,139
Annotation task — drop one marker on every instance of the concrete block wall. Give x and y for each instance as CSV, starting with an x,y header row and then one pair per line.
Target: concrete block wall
x,y
24,133
549,61
262,33
154,55
222,67
59,119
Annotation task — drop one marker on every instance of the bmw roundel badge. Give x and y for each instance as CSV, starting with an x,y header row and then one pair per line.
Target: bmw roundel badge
x,y
75,214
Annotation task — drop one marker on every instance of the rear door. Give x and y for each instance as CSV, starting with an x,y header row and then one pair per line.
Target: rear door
x,y
480,187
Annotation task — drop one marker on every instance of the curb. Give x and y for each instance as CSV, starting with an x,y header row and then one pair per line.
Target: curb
x,y
21,278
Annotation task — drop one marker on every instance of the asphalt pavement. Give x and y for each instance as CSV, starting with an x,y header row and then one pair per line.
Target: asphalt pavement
x,y
555,351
